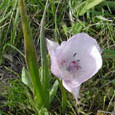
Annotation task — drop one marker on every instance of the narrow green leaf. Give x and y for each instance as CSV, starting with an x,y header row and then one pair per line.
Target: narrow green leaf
x,y
31,58
109,56
108,53
43,50
7,16
13,35
12,46
86,5
3,3
44,61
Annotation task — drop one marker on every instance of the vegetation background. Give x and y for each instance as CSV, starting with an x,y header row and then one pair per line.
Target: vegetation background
x,y
63,19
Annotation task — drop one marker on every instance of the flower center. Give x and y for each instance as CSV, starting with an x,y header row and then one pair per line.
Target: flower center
x,y
72,66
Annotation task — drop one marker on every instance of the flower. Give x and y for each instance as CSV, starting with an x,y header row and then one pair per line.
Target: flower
x,y
75,60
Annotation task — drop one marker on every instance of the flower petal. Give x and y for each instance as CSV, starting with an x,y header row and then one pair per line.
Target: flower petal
x,y
51,49
54,66
51,46
87,51
70,87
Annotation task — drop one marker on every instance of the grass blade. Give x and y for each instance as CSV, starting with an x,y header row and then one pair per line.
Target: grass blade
x,y
86,5
13,47
108,53
13,35
2,5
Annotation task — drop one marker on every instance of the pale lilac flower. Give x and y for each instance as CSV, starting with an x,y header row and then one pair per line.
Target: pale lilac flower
x,y
75,60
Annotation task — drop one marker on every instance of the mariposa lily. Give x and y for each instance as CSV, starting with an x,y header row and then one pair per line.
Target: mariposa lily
x,y
75,61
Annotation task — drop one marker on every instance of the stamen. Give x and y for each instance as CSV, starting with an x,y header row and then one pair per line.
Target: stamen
x,y
74,54
78,60
73,62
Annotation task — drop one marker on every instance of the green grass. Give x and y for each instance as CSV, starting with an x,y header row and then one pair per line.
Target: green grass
x,y
13,98
62,21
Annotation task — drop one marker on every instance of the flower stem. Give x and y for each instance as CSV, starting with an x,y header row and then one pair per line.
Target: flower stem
x,y
64,97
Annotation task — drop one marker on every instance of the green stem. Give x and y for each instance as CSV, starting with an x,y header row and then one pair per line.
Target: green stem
x,y
64,97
